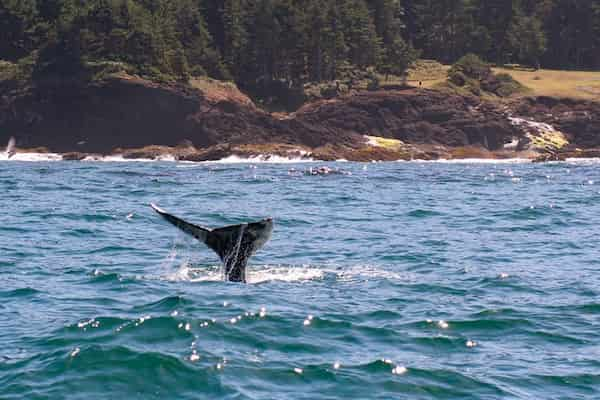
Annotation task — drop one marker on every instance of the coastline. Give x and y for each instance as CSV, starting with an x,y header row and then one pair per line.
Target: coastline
x,y
128,118
34,157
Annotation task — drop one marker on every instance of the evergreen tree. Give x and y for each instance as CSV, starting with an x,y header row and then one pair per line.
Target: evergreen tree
x,y
291,49
527,40
364,47
257,42
234,35
316,63
496,16
17,18
264,34
335,42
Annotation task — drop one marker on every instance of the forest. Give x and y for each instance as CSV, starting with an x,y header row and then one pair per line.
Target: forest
x,y
254,42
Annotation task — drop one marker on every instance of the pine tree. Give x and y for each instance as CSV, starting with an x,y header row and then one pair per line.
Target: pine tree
x,y
316,42
526,39
234,35
364,47
496,16
595,22
17,19
335,42
264,32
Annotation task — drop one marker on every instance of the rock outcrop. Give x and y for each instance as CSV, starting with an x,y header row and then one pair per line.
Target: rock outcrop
x,y
413,116
209,120
579,119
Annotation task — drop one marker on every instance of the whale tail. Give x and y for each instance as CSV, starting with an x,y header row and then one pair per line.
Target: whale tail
x,y
233,244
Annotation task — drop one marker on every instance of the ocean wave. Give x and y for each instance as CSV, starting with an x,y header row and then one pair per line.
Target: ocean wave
x,y
20,292
165,304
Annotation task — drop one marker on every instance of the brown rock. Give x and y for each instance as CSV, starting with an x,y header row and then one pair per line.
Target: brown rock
x,y
199,123
74,156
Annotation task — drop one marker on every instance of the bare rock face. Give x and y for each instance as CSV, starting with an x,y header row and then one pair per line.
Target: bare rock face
x,y
413,116
214,153
132,113
74,156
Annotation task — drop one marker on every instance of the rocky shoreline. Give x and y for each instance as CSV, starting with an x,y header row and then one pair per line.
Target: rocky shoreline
x,y
209,120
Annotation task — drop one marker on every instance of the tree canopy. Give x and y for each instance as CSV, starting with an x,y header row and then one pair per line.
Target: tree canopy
x,y
294,41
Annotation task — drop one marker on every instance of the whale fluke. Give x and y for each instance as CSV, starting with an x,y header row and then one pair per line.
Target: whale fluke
x,y
10,147
234,244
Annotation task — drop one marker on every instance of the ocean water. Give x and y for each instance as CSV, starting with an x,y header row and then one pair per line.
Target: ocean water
x,y
391,280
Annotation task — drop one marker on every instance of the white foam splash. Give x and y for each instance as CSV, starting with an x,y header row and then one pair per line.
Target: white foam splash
x,y
539,127
263,159
366,272
119,158
475,161
583,160
284,273
31,157
254,274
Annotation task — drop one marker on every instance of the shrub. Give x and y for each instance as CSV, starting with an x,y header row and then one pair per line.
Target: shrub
x,y
476,76
329,91
503,85
373,83
507,89
504,77
457,78
472,67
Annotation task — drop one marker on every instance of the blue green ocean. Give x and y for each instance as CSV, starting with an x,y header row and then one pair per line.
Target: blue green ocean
x,y
384,281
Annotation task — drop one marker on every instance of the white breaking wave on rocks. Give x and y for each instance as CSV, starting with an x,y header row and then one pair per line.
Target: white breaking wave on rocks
x,y
119,158
539,127
31,157
263,158
475,161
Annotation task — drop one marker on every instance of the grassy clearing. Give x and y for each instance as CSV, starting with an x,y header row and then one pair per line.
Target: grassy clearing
x,y
545,82
428,72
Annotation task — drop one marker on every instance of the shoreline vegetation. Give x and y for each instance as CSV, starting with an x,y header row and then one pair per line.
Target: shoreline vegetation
x,y
204,80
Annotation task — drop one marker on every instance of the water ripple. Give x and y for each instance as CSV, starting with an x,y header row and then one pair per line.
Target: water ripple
x,y
394,280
